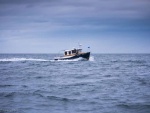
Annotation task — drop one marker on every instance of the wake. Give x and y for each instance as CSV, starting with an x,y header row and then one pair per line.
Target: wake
x,y
20,59
41,60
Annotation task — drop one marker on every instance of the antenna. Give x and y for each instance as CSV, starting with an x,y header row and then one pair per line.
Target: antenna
x,y
80,45
89,48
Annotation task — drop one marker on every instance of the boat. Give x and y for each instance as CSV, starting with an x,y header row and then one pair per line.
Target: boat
x,y
74,54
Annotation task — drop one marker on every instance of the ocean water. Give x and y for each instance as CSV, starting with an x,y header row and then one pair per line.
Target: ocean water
x,y
108,83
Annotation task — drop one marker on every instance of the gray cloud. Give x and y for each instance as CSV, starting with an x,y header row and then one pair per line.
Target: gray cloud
x,y
24,19
78,8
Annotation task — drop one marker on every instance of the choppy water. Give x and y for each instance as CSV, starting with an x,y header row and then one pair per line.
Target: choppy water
x,y
108,83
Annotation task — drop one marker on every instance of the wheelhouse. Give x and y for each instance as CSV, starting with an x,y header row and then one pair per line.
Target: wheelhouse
x,y
72,52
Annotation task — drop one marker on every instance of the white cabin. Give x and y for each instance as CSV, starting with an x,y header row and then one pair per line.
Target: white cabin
x,y
72,52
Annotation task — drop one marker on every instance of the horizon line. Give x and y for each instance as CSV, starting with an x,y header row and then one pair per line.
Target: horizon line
x,y
91,52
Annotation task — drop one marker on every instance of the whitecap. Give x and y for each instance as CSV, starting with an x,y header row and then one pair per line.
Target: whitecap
x,y
91,58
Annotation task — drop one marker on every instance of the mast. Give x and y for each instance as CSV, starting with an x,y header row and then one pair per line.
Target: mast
x,y
80,45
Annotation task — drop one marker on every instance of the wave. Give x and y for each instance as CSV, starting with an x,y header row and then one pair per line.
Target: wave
x,y
61,98
1,86
141,106
129,61
7,94
42,94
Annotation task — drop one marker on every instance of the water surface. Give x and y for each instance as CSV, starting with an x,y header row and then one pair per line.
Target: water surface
x,y
108,83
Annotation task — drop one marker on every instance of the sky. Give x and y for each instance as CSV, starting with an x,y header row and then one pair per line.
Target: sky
x,y
48,26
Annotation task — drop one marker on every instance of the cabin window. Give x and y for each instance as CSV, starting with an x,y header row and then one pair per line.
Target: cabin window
x,y
69,52
74,51
65,53
79,51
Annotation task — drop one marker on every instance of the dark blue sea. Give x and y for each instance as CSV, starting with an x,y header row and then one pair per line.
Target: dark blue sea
x,y
108,83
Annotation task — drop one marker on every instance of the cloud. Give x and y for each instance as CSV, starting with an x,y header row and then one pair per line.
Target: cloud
x,y
48,19
79,8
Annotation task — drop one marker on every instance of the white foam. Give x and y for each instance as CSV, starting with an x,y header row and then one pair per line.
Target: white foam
x,y
91,58
33,59
77,59
21,59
